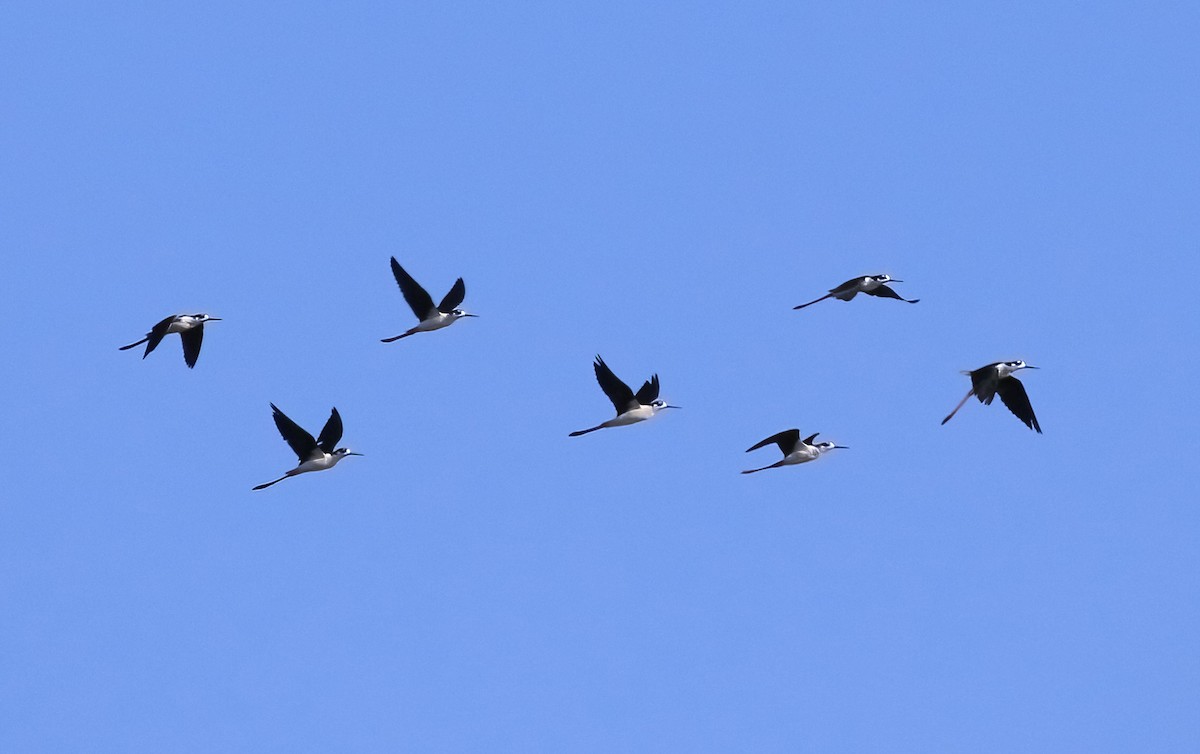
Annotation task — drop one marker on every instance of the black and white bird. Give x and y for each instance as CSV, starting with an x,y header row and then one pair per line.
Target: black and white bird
x,y
631,407
432,317
987,381
794,449
872,285
315,455
191,331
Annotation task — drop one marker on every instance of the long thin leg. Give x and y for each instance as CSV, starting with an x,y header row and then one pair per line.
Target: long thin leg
x,y
398,337
764,468
960,405
268,484
599,426
134,345
810,303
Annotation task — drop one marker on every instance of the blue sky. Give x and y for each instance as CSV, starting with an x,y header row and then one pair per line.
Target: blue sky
x,y
658,185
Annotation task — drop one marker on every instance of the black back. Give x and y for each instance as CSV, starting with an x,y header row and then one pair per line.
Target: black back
x,y
416,296
983,383
849,285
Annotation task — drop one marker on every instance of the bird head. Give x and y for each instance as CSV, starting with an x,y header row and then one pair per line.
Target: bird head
x,y
459,313
658,404
825,447
341,453
1008,367
885,278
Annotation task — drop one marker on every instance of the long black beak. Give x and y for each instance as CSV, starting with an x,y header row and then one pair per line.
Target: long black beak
x,y
843,447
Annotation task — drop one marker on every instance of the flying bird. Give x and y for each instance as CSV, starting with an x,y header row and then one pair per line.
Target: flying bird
x,y
631,407
987,381
432,317
872,285
314,455
794,449
191,331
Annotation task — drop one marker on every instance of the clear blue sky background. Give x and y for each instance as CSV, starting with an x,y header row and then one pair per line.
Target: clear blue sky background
x,y
660,185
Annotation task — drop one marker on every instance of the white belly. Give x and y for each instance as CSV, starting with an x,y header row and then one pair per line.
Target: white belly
x,y
799,456
632,416
436,322
326,461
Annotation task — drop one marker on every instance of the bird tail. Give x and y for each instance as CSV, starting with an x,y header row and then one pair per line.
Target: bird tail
x,y
585,431
810,303
950,415
134,345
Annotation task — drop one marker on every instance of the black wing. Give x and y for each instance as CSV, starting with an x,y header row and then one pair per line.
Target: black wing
x,y
618,392
1012,392
331,433
884,292
191,344
786,440
808,440
983,383
853,284
418,300
301,442
648,392
156,334
457,293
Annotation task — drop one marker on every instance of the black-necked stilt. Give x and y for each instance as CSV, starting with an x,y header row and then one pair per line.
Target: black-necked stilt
x,y
191,331
794,449
315,455
987,381
432,317
631,407
872,285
